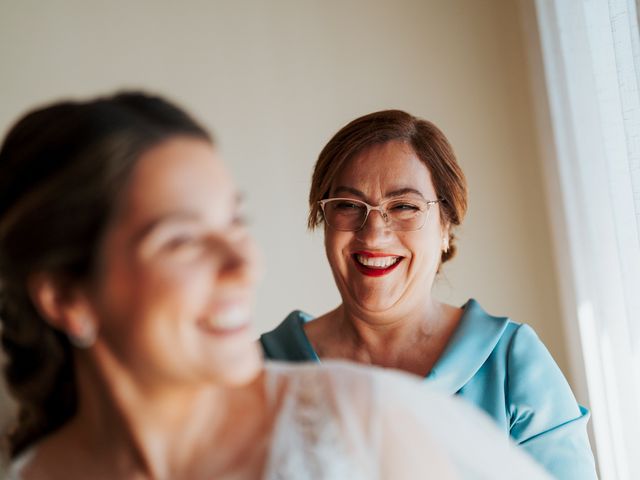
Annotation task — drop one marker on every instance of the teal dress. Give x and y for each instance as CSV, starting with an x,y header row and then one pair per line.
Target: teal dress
x,y
503,368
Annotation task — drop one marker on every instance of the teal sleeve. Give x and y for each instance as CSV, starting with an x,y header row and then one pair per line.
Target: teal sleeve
x,y
545,419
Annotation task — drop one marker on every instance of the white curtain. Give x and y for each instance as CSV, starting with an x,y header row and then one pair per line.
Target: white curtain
x,y
591,55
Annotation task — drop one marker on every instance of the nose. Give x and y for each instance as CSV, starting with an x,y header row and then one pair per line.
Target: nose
x,y
380,213
238,261
376,225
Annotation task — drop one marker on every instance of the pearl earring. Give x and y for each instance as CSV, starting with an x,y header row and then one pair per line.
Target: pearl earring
x,y
86,337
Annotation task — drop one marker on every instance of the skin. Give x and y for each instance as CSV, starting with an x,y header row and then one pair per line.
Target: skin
x,y
392,320
174,373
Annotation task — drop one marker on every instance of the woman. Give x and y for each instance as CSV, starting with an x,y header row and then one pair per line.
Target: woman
x,y
126,283
389,192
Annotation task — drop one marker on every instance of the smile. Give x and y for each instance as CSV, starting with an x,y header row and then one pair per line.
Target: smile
x,y
226,321
375,265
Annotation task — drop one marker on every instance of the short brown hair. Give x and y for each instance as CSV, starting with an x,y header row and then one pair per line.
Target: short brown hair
x,y
429,143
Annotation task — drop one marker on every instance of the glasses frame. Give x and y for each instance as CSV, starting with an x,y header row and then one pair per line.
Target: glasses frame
x,y
379,208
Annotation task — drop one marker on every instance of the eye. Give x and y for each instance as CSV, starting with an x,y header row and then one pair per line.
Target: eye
x,y
346,205
404,207
181,242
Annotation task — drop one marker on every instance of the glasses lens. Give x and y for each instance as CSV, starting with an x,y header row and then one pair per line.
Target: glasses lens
x,y
406,214
347,215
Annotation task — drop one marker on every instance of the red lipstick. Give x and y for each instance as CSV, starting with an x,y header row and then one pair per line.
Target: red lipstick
x,y
375,271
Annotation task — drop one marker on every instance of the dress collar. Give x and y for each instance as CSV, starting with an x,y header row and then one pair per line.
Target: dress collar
x,y
294,339
471,344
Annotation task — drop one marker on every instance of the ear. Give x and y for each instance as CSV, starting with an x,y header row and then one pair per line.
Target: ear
x,y
64,307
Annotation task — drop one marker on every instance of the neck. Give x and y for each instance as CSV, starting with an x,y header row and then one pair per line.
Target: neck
x,y
383,338
156,432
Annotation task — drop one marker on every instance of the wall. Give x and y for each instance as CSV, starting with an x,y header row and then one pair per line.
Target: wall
x,y
275,80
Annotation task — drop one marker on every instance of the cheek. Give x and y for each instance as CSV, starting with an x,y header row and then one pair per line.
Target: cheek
x,y
175,288
161,312
335,244
141,294
254,260
427,250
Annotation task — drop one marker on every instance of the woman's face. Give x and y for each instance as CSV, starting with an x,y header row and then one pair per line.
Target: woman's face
x,y
174,291
390,170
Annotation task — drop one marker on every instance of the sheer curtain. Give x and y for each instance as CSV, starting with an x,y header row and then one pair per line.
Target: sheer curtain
x,y
591,56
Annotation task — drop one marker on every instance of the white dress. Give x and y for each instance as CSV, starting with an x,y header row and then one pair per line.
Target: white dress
x,y
339,421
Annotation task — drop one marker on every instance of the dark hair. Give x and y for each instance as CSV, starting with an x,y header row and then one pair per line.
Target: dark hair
x,y
429,144
62,168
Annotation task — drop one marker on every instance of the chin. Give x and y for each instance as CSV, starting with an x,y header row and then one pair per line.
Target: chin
x,y
377,302
243,369
375,308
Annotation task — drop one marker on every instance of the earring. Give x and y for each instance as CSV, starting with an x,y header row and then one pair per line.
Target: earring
x,y
86,337
445,244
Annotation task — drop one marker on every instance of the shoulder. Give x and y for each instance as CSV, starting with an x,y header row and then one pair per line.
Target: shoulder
x,y
529,361
535,382
532,376
545,417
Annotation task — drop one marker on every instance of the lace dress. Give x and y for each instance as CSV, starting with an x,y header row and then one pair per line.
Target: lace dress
x,y
343,421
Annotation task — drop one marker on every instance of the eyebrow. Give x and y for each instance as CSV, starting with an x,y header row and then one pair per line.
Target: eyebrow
x,y
394,193
179,216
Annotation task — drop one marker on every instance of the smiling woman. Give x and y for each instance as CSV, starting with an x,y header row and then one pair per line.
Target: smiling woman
x,y
389,192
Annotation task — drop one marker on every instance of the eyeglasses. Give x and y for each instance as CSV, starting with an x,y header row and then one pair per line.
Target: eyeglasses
x,y
400,214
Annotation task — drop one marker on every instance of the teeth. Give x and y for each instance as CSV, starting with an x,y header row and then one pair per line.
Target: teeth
x,y
227,319
377,262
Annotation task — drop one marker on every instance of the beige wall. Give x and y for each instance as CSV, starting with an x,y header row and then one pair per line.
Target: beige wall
x,y
276,79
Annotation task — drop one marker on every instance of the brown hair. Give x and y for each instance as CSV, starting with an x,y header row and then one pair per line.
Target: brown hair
x,y
63,167
429,144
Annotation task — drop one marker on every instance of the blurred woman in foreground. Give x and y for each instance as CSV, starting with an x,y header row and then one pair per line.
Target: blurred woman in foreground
x,y
127,279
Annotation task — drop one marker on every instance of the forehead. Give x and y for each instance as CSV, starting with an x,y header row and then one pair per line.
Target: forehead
x,y
180,173
389,166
